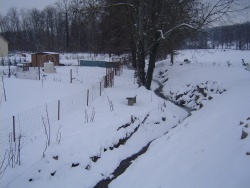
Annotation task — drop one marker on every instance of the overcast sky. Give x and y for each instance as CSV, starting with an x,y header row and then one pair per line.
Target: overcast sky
x,y
5,5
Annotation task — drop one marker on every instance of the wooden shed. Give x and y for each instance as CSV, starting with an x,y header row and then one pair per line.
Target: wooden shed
x,y
3,47
38,59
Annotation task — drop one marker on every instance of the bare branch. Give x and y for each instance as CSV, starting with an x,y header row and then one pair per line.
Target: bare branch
x,y
58,135
3,164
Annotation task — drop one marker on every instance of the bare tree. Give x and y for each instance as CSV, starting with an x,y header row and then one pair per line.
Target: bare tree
x,y
65,7
50,26
162,20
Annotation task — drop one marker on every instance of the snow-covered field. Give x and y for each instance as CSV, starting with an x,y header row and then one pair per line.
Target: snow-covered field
x,y
209,147
23,94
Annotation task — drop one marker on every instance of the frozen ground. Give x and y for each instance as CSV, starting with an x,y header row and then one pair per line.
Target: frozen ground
x,y
210,148
25,91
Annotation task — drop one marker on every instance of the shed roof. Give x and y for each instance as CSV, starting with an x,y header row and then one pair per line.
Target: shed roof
x,y
3,38
45,53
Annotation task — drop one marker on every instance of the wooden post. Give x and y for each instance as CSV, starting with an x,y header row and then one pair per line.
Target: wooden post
x,y
4,90
58,110
87,97
70,75
113,78
14,129
38,68
9,68
105,82
100,88
106,77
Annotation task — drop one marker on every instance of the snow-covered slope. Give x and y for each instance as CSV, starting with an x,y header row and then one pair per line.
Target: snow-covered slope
x,y
207,149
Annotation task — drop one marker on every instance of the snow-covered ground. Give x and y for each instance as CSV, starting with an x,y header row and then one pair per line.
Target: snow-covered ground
x,y
208,148
23,94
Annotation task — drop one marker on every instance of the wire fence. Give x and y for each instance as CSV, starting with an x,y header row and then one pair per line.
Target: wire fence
x,y
227,64
22,128
27,122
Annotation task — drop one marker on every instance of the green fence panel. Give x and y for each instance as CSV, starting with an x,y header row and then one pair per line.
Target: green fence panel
x,y
94,63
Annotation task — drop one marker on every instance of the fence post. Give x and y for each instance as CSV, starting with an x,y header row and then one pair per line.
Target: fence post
x,y
105,82
14,129
100,88
112,78
87,97
70,75
58,110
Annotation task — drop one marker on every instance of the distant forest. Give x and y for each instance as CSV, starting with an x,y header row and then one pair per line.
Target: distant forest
x,y
226,37
62,28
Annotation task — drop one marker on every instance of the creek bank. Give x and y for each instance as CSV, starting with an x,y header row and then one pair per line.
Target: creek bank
x,y
159,92
124,164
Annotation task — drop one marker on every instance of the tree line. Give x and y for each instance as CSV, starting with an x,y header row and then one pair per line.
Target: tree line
x,y
236,36
145,29
231,37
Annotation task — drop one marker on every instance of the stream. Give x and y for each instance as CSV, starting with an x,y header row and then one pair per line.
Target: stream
x,y
159,92
128,161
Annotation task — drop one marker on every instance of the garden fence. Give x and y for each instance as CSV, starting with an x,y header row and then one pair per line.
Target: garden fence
x,y
27,122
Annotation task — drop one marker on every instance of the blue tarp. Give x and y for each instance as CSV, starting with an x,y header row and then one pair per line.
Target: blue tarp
x,y
95,63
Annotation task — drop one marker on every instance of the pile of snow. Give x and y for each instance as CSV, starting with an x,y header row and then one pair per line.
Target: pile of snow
x,y
209,148
49,67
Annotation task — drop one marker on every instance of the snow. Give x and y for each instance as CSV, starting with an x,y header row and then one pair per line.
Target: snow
x,y
27,93
201,149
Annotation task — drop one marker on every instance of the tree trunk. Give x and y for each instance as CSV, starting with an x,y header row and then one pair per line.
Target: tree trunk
x,y
141,64
152,59
140,47
133,53
172,56
67,30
